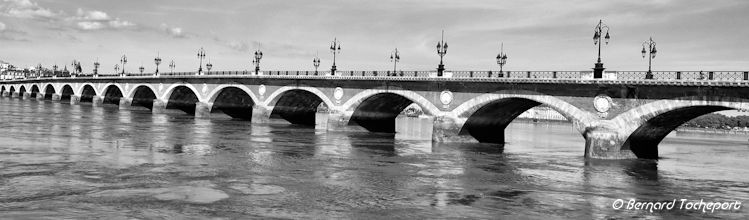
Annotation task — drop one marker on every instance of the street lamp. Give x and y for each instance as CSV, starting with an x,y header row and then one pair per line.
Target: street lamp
x,y
116,68
501,59
316,63
650,45
96,67
201,56
141,68
256,60
208,66
598,69
123,60
395,57
171,67
441,50
335,47
157,61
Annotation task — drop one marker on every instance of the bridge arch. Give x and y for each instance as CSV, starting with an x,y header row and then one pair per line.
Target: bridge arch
x,y
67,91
34,90
21,90
87,93
183,97
276,95
644,127
486,116
142,95
234,100
12,90
376,109
2,89
84,86
49,91
172,88
112,94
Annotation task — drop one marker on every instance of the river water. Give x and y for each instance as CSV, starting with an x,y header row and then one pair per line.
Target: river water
x,y
79,162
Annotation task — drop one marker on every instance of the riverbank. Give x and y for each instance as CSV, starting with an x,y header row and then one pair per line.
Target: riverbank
x,y
709,130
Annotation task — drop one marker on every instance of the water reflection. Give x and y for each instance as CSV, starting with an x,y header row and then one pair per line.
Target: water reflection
x,y
121,161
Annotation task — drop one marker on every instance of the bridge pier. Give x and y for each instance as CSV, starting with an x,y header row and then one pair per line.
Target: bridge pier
x,y
203,109
39,96
75,100
56,97
158,107
5,93
603,143
14,95
97,100
125,103
447,129
409,127
261,114
26,95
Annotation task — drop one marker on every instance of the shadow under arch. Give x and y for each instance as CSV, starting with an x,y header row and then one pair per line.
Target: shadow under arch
x,y
646,126
34,91
11,91
643,142
67,91
182,98
21,91
2,89
87,94
377,112
234,102
488,115
142,96
297,106
49,91
112,94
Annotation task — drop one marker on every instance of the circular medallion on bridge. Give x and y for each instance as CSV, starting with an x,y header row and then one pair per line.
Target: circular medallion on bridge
x,y
205,87
602,103
261,90
338,94
446,97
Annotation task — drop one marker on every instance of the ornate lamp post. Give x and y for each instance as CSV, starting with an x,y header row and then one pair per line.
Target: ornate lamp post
x,y
441,50
171,67
598,69
335,47
650,45
501,59
316,63
157,61
208,66
395,57
141,68
256,60
123,60
116,68
96,67
201,56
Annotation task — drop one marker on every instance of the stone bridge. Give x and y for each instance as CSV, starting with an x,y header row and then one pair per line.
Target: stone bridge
x,y
617,118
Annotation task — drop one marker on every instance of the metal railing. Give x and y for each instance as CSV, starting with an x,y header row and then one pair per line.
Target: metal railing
x,y
608,75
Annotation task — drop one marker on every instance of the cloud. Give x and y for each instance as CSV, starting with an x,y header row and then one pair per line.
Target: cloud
x,y
26,9
10,34
175,32
98,20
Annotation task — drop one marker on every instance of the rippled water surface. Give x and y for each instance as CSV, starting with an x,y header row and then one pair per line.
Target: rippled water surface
x,y
77,161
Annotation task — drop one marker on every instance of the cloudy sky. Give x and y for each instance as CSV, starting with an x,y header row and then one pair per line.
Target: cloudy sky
x,y
537,35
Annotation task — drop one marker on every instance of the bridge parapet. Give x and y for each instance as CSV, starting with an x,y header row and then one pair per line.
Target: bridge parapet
x,y
556,76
